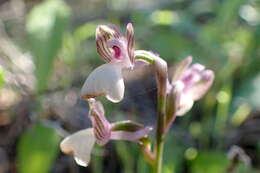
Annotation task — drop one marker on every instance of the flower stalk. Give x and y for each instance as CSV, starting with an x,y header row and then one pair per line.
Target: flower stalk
x,y
161,81
161,72
157,168
145,147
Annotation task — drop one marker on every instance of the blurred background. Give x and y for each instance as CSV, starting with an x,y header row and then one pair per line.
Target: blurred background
x,y
47,49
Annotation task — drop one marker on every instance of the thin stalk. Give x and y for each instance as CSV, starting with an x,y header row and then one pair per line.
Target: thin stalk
x,y
161,72
159,135
148,155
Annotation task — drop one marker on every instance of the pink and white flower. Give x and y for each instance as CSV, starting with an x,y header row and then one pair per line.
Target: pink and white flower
x,y
117,51
81,143
193,82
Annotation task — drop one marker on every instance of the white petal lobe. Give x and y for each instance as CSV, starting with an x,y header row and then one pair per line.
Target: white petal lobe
x,y
186,104
79,145
106,80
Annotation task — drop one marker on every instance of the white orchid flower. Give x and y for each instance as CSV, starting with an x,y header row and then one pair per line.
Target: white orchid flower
x,y
81,143
118,53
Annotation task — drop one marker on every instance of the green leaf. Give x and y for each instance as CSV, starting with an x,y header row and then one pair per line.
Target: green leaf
x,y
142,165
210,162
46,24
37,149
127,154
86,31
97,160
74,42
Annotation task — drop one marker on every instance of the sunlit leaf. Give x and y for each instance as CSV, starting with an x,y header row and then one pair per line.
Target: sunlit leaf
x,y
241,114
97,159
37,149
45,26
163,17
85,31
74,42
1,77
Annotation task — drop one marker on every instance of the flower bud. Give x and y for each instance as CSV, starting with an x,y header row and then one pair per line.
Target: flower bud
x,y
196,82
161,71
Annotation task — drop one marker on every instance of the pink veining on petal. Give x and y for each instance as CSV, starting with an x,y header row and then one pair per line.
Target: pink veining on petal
x,y
199,89
101,39
102,128
181,68
113,46
130,41
117,32
196,80
192,75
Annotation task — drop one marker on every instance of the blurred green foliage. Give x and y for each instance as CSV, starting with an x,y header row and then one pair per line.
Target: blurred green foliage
x,y
46,24
213,162
222,35
37,149
253,96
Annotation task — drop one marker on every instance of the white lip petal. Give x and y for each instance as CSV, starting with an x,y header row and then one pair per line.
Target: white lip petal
x,y
106,80
81,162
79,145
185,105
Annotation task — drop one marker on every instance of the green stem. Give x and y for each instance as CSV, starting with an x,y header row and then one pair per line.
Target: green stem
x,y
159,135
161,72
159,157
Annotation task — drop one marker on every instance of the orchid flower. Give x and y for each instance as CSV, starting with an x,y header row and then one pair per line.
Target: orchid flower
x,y
192,82
117,51
81,143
